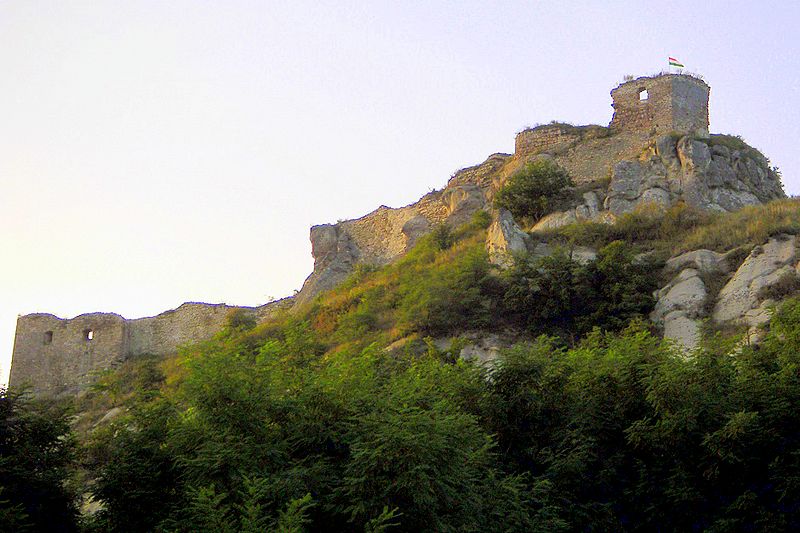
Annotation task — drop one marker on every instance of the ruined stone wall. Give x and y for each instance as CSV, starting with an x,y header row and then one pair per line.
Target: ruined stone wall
x,y
59,356
385,234
164,333
674,103
542,138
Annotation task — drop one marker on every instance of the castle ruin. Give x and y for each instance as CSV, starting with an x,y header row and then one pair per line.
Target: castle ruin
x,y
658,105
57,356
655,151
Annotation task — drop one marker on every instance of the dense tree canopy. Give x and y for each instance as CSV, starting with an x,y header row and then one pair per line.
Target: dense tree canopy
x,y
36,452
353,415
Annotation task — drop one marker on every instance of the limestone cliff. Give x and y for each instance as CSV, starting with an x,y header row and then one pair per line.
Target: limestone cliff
x,y
627,166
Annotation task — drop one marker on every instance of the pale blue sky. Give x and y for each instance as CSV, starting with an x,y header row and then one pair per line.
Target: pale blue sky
x,y
157,152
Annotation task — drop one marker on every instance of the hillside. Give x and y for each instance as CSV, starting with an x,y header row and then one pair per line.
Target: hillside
x,y
597,332
392,400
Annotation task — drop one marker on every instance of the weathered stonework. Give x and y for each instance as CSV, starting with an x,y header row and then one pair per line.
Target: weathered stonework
x,y
655,152
57,356
385,234
662,104
541,138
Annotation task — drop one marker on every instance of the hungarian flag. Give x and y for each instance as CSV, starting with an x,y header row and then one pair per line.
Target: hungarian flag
x,y
675,63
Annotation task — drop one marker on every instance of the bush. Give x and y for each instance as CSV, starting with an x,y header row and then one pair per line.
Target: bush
x,y
786,285
541,187
648,227
561,296
36,453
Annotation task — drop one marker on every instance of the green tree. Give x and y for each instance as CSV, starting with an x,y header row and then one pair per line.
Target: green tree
x,y
539,188
36,453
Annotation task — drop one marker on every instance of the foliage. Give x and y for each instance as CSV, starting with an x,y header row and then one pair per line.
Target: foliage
x,y
36,453
349,415
750,225
241,319
536,190
618,432
559,295
682,228
442,236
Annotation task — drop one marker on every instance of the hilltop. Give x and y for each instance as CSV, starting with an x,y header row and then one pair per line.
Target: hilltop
x,y
596,331
656,153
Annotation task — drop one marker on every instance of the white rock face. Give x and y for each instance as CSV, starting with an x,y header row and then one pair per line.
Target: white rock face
x,y
590,209
686,293
683,330
705,261
680,304
484,350
763,267
504,239
555,220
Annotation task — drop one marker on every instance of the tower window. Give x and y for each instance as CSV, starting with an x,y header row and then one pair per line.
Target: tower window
x,y
88,334
48,337
643,95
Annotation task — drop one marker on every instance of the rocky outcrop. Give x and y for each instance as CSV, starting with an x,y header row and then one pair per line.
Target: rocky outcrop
x,y
484,350
747,298
505,239
702,173
387,233
680,305
334,257
590,209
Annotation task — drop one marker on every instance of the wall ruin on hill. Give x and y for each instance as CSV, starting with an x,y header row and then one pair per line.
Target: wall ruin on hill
x,y
656,150
667,103
56,356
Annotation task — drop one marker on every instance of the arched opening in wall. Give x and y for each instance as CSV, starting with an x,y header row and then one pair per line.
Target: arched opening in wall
x,y
88,334
48,337
643,95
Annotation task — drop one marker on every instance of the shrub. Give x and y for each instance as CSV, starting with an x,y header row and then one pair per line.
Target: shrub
x,y
539,188
442,236
241,319
36,451
787,284
560,296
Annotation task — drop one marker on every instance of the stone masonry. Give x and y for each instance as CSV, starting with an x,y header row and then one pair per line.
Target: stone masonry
x,y
662,104
57,356
656,151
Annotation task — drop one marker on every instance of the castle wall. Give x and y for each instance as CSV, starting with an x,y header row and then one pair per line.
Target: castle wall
x,y
164,333
56,356
674,103
690,105
542,138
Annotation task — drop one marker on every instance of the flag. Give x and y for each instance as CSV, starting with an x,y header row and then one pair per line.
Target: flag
x,y
675,63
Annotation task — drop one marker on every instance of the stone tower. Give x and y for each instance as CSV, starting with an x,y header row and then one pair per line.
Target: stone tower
x,y
661,104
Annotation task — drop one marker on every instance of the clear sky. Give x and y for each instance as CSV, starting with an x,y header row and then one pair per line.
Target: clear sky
x,y
153,153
